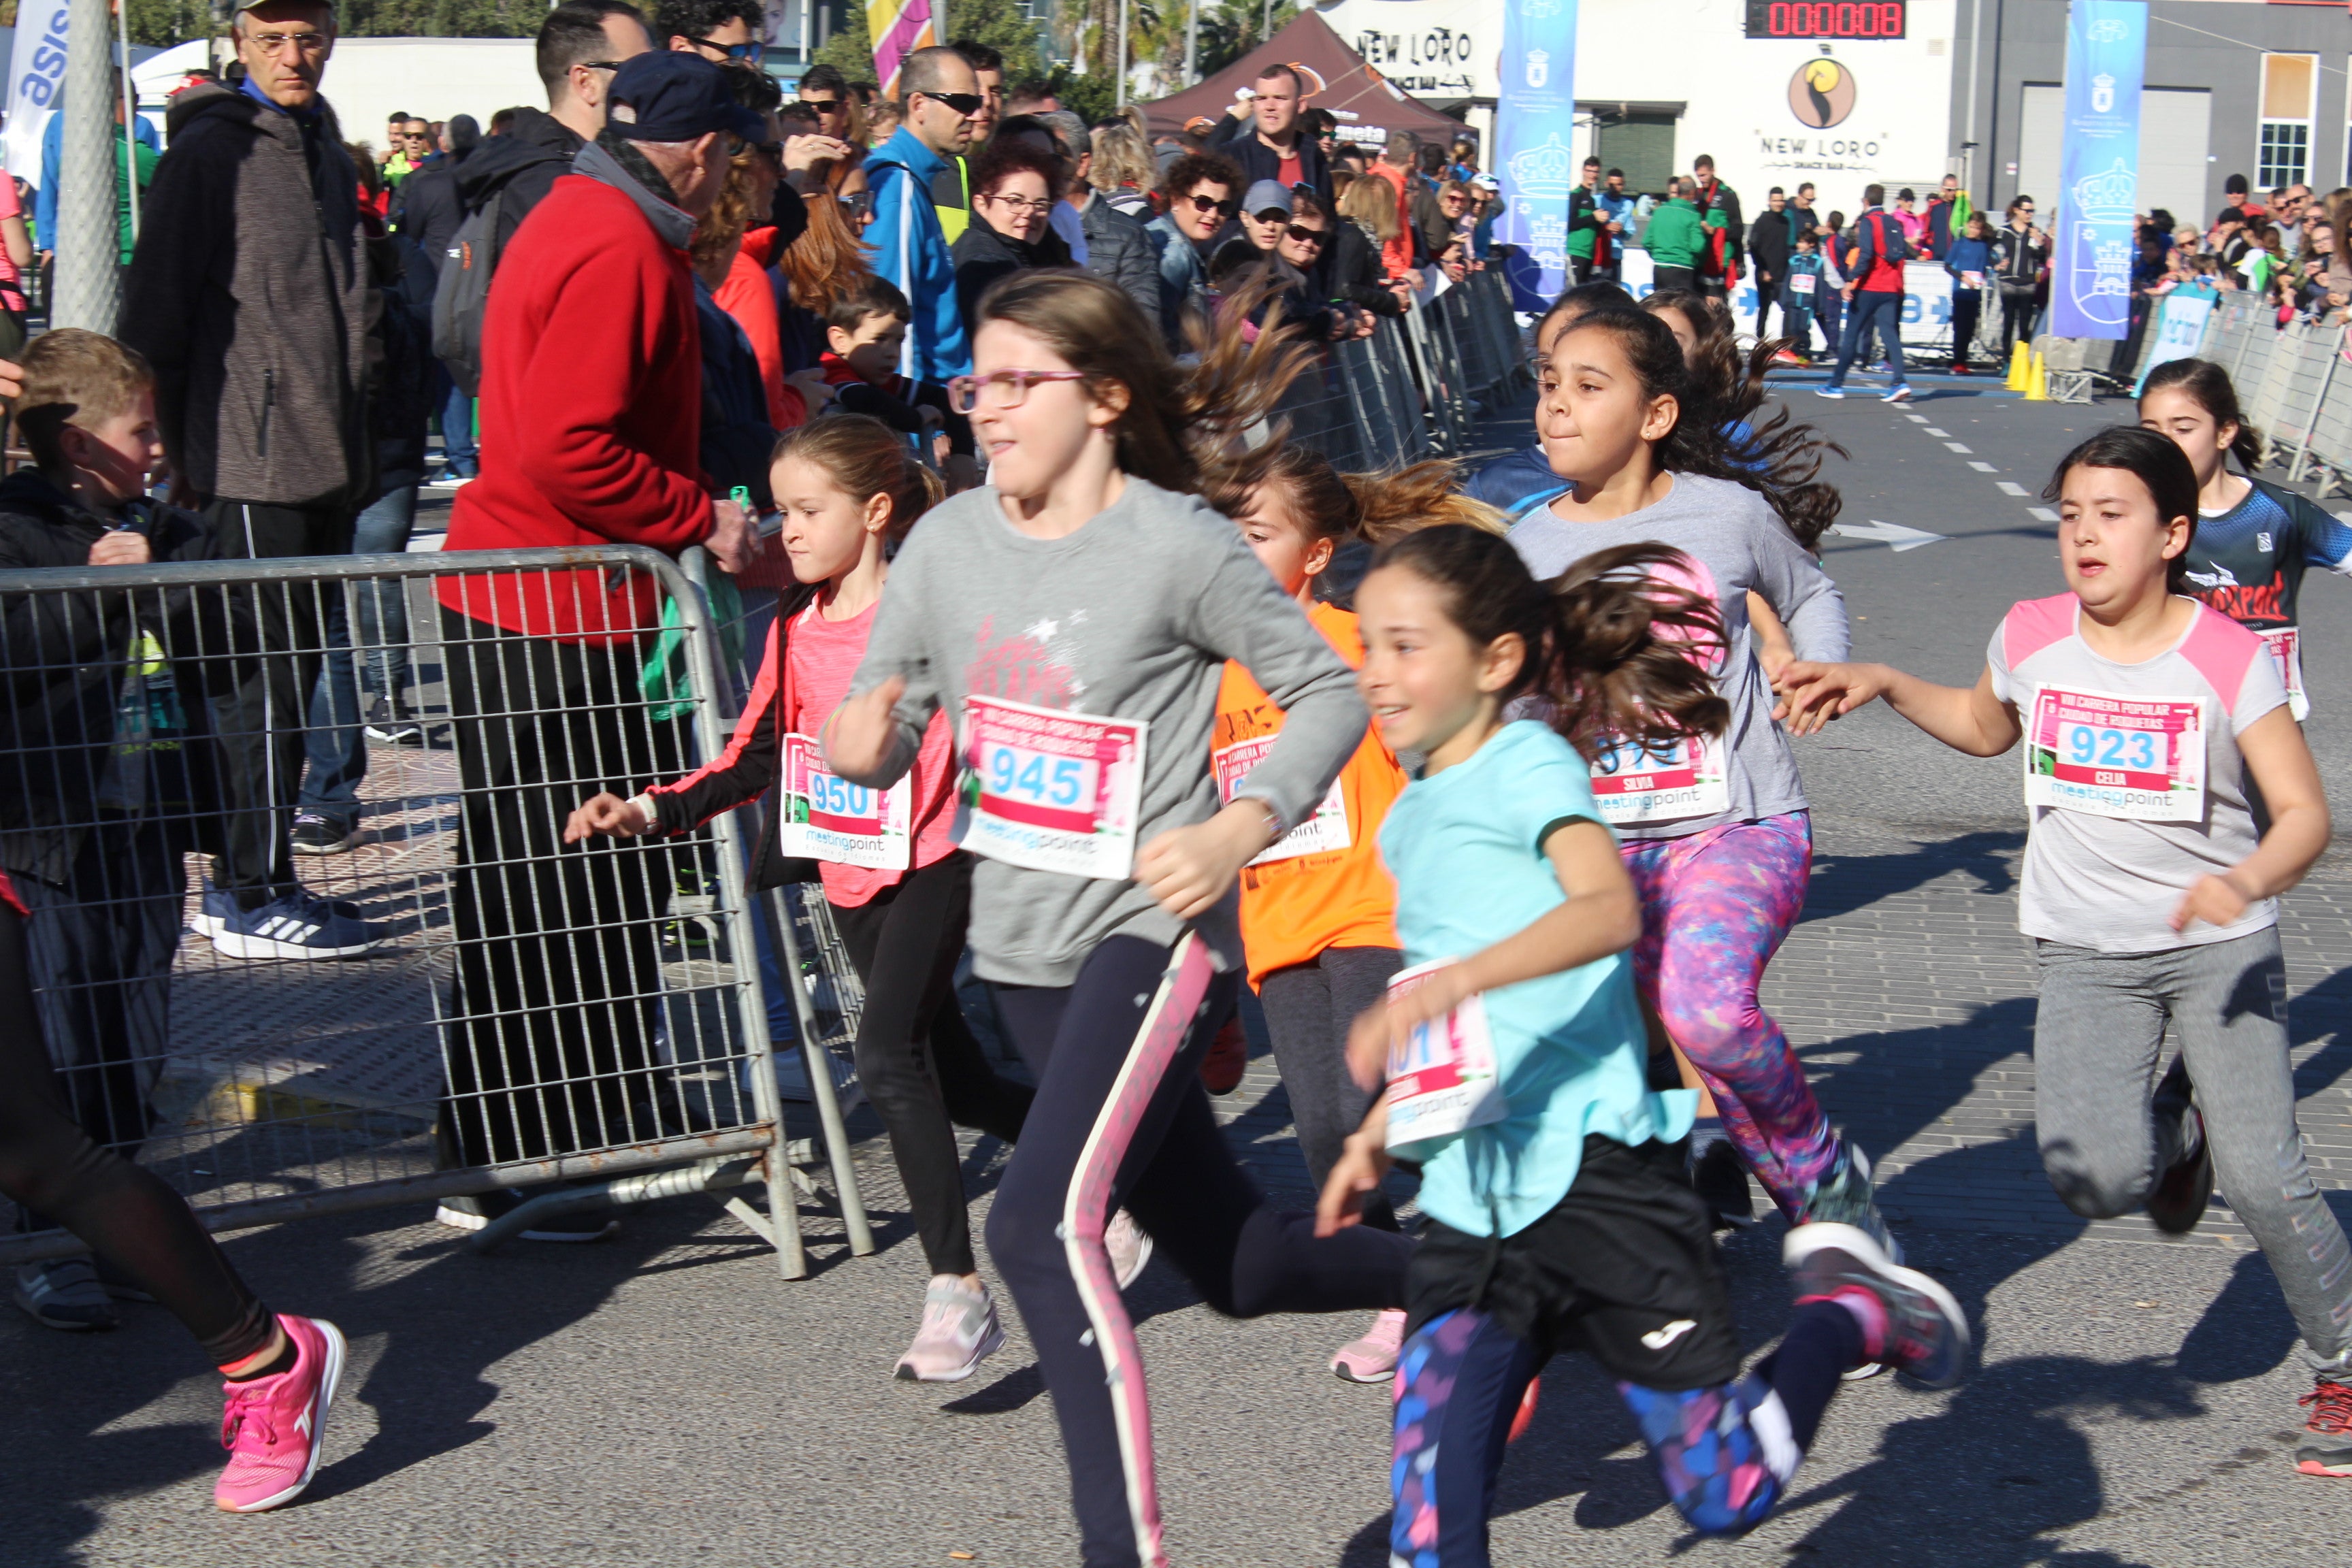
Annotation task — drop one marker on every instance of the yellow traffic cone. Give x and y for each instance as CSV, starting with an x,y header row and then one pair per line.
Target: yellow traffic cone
x,y
2017,358
2037,381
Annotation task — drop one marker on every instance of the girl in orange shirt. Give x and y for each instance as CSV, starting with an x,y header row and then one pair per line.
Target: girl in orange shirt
x,y
1319,908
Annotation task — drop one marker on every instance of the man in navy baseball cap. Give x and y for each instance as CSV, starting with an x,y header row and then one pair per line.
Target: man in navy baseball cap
x,y
671,96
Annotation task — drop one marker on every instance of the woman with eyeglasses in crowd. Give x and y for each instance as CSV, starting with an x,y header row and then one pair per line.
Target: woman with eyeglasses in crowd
x,y
1015,185
2020,251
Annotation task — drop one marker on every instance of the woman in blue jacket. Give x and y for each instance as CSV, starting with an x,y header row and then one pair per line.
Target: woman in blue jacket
x,y
1969,258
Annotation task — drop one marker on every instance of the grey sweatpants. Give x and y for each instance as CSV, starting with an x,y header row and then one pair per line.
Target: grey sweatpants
x,y
2104,1139
1308,1007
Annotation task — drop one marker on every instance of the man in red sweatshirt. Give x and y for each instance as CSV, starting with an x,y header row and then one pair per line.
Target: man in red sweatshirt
x,y
591,407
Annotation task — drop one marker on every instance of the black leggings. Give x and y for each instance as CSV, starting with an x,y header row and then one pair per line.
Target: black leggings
x,y
1308,1007
921,1067
1121,1117
129,1217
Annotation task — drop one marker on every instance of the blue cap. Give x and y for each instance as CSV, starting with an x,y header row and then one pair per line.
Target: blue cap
x,y
669,95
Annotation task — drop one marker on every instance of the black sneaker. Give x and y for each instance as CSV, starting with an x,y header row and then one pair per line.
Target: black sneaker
x,y
2177,1200
317,834
389,724
2328,1452
1721,1183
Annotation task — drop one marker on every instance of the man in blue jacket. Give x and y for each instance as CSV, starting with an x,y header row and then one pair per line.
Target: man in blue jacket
x,y
44,200
940,97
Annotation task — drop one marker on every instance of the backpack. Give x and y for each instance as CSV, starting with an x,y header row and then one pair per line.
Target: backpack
x,y
462,294
1894,246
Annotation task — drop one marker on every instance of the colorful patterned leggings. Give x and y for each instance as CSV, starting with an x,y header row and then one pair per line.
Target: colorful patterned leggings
x,y
1715,908
1725,1453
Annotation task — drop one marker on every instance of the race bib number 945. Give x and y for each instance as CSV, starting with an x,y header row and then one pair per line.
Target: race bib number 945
x,y
1049,790
826,817
2141,759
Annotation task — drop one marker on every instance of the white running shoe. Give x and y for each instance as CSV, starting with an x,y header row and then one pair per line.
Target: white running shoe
x,y
960,1328
1131,1248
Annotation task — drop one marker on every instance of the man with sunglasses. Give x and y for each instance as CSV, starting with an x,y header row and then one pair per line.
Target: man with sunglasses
x,y
939,98
825,89
582,45
1202,191
718,30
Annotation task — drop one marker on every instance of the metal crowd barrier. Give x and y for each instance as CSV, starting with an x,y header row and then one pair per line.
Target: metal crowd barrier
x,y
2292,383
512,1011
1417,387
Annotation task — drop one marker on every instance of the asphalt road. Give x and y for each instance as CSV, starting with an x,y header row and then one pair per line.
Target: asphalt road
x,y
667,1399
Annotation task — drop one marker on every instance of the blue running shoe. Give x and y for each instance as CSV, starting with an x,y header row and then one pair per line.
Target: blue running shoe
x,y
299,924
1829,392
213,912
1926,1333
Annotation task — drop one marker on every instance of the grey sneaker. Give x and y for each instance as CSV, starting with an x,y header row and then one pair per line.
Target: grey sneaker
x,y
960,1328
1129,1247
65,1293
1846,1196
1926,1332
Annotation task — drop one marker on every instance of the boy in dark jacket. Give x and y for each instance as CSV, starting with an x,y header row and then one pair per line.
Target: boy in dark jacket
x,y
98,798
863,332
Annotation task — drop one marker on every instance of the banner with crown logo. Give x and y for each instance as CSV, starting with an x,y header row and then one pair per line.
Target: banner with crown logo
x,y
2098,194
1535,145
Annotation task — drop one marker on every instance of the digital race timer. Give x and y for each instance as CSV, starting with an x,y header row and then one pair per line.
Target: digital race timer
x,y
1804,19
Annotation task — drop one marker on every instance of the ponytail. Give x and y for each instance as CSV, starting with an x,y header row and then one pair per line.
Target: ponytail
x,y
1615,648
2209,386
1377,507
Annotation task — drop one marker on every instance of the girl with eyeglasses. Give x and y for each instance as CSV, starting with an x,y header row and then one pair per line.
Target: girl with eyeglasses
x,y
1074,619
1013,195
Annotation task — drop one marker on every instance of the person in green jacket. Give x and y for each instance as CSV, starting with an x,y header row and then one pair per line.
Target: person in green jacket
x,y
1677,237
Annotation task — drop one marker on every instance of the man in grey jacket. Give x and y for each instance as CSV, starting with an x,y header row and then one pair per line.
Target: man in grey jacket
x,y
249,294
1115,247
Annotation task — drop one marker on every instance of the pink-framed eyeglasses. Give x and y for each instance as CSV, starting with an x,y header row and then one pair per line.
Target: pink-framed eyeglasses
x,y
963,391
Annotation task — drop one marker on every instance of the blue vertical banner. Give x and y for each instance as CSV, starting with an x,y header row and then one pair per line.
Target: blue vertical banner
x,y
2098,194
1535,145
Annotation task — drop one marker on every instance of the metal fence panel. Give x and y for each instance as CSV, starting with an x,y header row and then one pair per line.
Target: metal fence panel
x,y
461,1002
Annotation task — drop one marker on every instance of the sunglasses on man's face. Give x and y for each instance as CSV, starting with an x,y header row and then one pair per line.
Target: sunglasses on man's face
x,y
824,105
1299,236
964,104
751,54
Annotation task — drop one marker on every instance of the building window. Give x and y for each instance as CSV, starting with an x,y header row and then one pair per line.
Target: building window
x,y
2283,152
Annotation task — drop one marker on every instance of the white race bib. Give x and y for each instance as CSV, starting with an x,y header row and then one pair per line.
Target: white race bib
x,y
1971,280
1324,831
1800,282
1443,1079
2141,759
1049,790
2285,646
826,817
1634,783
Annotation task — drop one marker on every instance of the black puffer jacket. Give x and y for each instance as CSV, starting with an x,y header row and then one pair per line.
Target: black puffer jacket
x,y
982,255
67,654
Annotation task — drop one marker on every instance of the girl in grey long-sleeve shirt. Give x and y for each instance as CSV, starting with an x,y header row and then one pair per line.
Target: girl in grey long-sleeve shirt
x,y
1717,836
1075,618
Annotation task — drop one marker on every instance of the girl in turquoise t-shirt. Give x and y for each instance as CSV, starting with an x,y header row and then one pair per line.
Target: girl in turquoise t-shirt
x,y
1561,1217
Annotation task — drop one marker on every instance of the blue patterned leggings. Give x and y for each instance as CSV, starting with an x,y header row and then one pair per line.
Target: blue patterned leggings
x,y
1725,1453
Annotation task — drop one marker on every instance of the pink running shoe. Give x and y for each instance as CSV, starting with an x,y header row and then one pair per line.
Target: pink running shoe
x,y
275,1427
1373,1358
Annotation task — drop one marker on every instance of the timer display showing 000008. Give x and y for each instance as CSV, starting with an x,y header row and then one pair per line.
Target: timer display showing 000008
x,y
1774,20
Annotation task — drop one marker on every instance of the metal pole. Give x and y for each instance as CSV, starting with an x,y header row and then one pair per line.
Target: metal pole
x,y
1192,45
1121,64
1976,49
88,241
130,112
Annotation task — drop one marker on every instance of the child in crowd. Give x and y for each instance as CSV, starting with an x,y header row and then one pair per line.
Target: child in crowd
x,y
1075,619
1319,920
1968,261
1800,290
1558,1215
103,797
2151,724
1719,836
864,329
849,489
2254,539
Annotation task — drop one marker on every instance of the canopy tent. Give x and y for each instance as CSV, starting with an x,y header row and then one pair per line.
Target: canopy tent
x,y
1366,104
